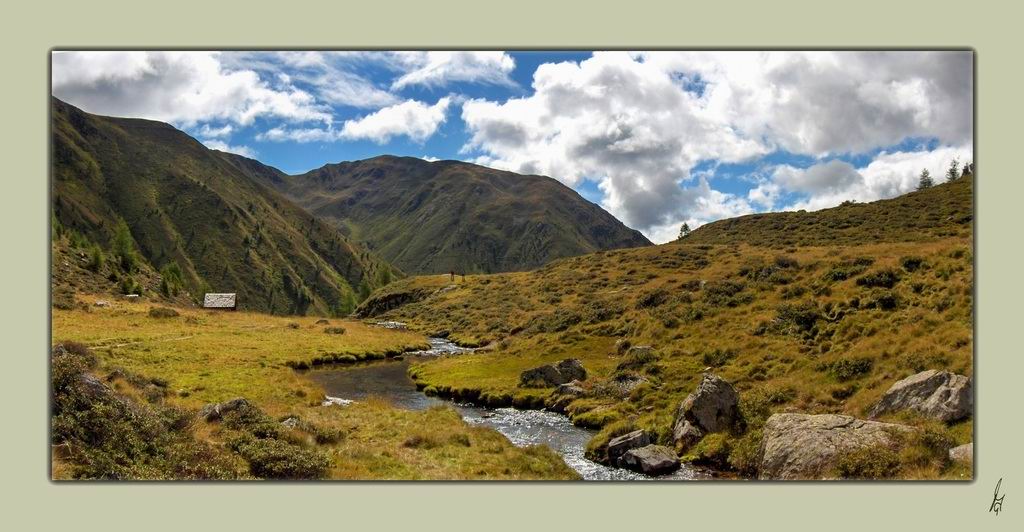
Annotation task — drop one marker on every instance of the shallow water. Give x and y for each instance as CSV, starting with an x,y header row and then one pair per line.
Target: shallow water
x,y
389,380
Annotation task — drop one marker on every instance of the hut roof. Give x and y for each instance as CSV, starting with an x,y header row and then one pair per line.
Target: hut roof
x,y
219,301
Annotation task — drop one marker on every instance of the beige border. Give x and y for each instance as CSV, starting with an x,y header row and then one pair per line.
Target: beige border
x,y
30,31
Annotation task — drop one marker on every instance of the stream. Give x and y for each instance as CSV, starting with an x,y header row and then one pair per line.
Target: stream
x,y
389,380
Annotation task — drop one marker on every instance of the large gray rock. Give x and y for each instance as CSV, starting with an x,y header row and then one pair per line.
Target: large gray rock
x,y
712,407
553,375
940,395
620,445
963,453
650,460
214,411
807,447
563,395
572,370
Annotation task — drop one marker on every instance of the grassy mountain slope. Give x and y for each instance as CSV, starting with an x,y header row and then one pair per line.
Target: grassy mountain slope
x,y
433,217
203,211
799,312
938,212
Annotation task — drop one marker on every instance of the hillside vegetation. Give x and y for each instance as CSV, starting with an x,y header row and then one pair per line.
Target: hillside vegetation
x,y
434,217
151,198
802,312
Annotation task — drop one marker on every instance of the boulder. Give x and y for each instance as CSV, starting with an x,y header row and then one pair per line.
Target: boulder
x,y
632,440
570,388
550,375
807,447
563,395
963,453
650,460
92,388
214,411
712,407
686,435
940,395
572,370
541,377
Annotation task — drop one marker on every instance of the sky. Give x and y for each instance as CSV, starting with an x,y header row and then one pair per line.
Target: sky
x,y
658,139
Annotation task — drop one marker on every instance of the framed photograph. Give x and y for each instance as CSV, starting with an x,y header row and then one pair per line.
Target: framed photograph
x,y
599,265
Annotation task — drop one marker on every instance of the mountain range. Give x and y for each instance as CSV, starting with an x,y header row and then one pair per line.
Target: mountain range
x,y
317,242
435,217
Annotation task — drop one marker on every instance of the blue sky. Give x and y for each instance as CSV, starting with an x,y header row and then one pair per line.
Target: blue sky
x,y
657,139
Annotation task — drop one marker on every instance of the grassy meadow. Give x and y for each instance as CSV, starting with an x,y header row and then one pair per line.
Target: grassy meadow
x,y
168,367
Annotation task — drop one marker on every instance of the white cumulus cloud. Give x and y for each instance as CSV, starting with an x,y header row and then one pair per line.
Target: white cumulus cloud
x,y
183,88
438,69
412,118
638,123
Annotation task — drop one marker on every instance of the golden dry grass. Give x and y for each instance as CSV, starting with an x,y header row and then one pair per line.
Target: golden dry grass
x,y
206,356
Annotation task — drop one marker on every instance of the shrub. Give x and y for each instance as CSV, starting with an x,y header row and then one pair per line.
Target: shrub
x,y
163,312
602,310
745,453
793,292
877,462
272,458
64,298
171,281
713,450
123,248
798,317
129,285
718,357
107,436
653,298
250,419
846,369
636,359
785,261
848,268
96,258
726,294
911,264
557,321
883,299
884,278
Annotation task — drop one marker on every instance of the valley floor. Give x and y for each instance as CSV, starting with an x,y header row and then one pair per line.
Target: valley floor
x,y
162,366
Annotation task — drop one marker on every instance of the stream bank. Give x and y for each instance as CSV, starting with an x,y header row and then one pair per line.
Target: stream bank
x,y
389,380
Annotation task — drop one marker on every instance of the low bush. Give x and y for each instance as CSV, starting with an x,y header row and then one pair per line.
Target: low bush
x,y
277,459
64,298
848,268
796,317
869,463
718,357
653,298
884,278
846,369
103,435
163,312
